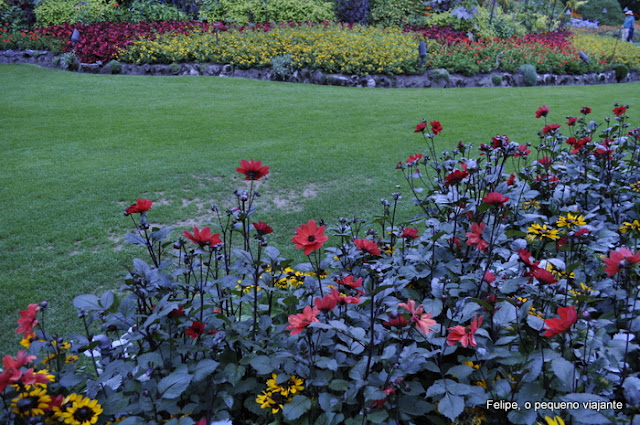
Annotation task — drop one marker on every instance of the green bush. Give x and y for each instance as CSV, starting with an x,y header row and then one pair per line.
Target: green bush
x,y
592,11
281,66
496,80
115,67
242,11
440,74
397,12
14,16
530,74
57,12
152,11
621,70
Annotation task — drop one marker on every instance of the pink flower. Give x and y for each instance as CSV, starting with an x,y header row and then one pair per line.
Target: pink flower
x,y
299,322
474,237
423,320
465,334
489,277
620,259
351,283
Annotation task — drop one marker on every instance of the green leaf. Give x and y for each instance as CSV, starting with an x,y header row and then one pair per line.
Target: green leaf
x,y
451,406
262,365
329,402
297,407
339,385
87,302
172,386
564,371
204,368
377,416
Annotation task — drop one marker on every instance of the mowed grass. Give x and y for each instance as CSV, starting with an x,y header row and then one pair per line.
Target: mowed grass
x,y
76,149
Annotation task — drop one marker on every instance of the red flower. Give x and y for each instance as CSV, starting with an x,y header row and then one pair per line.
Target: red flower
x,y
252,170
141,206
413,159
500,141
28,320
619,259
420,127
495,198
409,233
620,110
12,373
436,128
309,237
326,303
542,111
474,237
527,259
31,378
367,246
177,312
455,178
203,237
343,299
396,321
299,322
568,316
196,329
523,150
512,180
465,334
423,320
549,128
585,110
571,121
545,161
262,228
544,276
354,284
489,277
605,150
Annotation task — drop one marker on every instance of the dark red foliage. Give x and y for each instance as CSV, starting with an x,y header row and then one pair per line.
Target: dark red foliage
x,y
441,34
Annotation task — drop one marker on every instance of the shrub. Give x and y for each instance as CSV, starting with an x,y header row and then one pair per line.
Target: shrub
x,y
243,11
352,11
34,40
153,11
57,12
281,66
15,17
496,80
115,67
529,74
621,70
389,13
440,74
506,286
606,12
69,61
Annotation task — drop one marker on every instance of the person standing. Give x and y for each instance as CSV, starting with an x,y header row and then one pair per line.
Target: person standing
x,y
628,26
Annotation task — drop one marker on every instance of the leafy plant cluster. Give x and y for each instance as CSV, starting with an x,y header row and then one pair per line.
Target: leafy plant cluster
x,y
25,40
241,12
515,282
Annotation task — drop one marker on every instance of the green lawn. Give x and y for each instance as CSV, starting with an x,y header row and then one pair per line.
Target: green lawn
x,y
77,149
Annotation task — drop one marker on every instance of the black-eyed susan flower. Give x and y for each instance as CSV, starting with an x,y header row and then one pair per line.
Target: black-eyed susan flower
x,y
79,410
31,403
571,220
541,231
627,226
271,400
291,386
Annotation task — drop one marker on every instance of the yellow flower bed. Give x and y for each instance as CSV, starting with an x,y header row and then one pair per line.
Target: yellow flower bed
x,y
608,47
359,50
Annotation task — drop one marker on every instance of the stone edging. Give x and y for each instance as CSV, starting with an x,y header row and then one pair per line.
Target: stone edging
x,y
431,78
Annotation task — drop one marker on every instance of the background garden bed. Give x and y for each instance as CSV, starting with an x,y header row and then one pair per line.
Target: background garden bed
x,y
438,78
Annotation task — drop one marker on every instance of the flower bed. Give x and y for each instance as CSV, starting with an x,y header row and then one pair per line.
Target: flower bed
x,y
512,297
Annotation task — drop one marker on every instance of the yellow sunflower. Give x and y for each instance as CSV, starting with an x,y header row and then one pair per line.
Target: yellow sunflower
x,y
31,403
83,411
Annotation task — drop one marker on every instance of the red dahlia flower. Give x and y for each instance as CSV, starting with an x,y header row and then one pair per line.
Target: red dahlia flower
x,y
474,237
585,110
495,198
309,237
413,159
436,128
252,170
423,320
141,206
542,111
343,299
396,321
619,259
354,284
195,330
367,246
549,128
203,237
523,150
455,177
420,127
409,233
620,110
326,303
299,322
465,334
544,276
262,228
555,326
28,320
571,121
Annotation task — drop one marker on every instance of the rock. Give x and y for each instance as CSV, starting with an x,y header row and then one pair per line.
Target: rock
x,y
337,80
371,82
227,70
91,68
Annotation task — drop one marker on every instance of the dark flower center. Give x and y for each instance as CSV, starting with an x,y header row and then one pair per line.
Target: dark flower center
x,y
83,414
311,238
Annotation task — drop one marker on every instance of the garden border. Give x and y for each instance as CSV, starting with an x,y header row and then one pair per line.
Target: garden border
x,y
429,79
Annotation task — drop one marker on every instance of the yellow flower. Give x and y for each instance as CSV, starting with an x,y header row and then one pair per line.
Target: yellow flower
x,y
630,227
559,274
531,205
553,421
537,231
472,364
81,411
635,186
289,387
270,400
31,403
571,220
582,290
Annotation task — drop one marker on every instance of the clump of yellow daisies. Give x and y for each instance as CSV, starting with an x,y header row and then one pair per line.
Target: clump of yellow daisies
x,y
280,390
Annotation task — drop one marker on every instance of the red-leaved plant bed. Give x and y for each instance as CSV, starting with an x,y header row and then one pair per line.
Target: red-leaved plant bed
x,y
511,297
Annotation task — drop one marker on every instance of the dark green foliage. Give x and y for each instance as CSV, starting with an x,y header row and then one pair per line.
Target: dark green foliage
x,y
530,75
593,11
352,11
115,67
621,70
496,80
397,12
